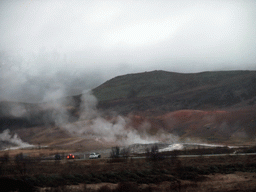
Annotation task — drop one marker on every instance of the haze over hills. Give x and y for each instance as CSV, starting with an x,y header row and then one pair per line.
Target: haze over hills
x,y
215,107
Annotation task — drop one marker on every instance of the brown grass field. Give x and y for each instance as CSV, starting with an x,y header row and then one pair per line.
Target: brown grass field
x,y
215,173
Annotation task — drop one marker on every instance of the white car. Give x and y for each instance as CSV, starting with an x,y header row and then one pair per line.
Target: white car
x,y
94,156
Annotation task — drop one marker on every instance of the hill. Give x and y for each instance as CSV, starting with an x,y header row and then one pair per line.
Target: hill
x,y
215,107
168,91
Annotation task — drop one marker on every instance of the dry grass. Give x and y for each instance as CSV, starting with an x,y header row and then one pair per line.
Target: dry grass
x,y
185,174
36,152
215,183
223,173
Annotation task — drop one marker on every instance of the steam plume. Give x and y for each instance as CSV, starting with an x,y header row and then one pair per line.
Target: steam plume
x,y
92,124
14,140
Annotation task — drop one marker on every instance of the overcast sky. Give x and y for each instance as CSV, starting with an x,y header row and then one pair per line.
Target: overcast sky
x,y
55,47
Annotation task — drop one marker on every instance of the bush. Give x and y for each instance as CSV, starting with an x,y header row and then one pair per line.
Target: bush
x,y
104,188
192,176
154,154
115,152
126,187
125,152
11,184
5,158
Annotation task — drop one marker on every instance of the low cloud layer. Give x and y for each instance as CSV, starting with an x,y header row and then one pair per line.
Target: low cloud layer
x,y
52,47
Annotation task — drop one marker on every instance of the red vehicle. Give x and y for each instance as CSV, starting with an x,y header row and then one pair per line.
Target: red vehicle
x,y
70,156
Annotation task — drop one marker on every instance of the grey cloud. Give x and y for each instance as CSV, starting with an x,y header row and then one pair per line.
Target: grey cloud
x,y
75,45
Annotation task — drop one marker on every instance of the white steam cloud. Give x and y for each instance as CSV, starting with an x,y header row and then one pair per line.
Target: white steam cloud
x,y
13,140
117,129
90,123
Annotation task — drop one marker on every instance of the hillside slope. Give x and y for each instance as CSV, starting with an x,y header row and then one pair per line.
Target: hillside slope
x,y
214,107
168,91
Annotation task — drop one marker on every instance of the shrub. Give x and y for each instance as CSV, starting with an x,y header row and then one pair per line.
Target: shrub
x,y
126,187
125,152
153,153
115,152
11,184
190,176
104,188
22,163
147,189
5,158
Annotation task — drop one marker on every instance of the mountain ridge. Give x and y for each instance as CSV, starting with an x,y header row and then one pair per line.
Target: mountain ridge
x,y
216,89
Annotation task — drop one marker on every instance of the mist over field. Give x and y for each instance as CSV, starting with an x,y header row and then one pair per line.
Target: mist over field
x,y
51,49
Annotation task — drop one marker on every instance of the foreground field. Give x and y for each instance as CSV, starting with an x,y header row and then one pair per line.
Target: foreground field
x,y
239,181
225,173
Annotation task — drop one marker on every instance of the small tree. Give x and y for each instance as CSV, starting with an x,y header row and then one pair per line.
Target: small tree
x,y
5,158
115,152
3,161
21,163
153,153
125,152
174,156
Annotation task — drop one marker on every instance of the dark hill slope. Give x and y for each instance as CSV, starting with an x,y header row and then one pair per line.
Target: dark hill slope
x,y
155,92
168,91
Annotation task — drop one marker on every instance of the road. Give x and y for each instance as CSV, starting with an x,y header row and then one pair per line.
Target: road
x,y
143,157
210,155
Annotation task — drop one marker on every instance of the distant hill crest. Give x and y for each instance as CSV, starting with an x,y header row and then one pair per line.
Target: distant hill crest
x,y
173,91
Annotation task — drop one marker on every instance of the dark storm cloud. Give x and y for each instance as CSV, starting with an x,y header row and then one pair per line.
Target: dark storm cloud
x,y
53,48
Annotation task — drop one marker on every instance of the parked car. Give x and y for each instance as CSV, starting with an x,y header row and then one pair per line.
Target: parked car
x,y
70,156
94,156
57,157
